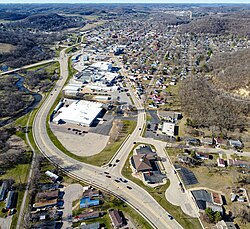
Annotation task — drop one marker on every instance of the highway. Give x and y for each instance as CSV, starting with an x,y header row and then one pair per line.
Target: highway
x,y
136,197
28,66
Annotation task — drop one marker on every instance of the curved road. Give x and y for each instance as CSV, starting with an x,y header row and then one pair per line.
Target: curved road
x,y
137,197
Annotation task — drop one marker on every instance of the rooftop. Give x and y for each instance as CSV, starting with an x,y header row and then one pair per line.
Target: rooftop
x,y
80,112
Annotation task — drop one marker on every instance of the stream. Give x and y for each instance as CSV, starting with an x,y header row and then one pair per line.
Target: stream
x,y
36,99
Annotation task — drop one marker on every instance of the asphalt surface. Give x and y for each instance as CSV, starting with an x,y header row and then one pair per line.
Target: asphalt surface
x,y
144,203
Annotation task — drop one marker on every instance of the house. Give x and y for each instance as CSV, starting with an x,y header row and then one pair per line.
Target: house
x,y
202,156
88,215
3,190
225,225
217,198
170,129
50,195
207,141
221,142
239,163
91,193
86,202
235,144
11,200
221,162
116,219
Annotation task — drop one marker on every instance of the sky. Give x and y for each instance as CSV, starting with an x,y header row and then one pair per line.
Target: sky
x,y
125,1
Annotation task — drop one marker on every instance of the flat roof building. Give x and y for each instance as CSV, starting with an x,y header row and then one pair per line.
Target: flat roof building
x,y
170,129
81,112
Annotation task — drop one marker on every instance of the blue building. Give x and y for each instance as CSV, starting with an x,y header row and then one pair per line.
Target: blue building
x,y
86,202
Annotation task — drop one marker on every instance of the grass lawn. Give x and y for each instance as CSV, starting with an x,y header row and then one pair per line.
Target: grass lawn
x,y
20,174
49,67
158,193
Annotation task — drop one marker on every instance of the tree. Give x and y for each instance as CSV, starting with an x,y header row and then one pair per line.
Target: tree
x,y
217,217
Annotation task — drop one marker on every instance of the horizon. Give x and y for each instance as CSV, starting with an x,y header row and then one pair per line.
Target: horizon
x,y
125,2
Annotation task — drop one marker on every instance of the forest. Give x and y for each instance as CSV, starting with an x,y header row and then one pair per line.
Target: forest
x,y
207,107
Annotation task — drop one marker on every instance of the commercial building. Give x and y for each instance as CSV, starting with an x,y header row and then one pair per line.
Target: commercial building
x,y
170,129
80,112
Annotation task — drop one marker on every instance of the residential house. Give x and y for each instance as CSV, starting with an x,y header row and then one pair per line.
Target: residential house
x,y
3,190
116,219
202,156
236,144
207,141
221,162
88,215
217,198
86,202
11,200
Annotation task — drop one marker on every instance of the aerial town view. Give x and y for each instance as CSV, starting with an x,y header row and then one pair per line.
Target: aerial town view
x,y
124,114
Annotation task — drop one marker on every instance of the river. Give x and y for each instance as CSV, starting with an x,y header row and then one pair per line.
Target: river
x,y
36,99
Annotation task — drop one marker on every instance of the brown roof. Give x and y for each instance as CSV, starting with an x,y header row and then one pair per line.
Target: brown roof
x,y
115,218
216,197
86,215
47,195
90,193
141,163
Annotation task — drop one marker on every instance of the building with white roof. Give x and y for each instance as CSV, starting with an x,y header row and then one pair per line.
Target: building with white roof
x,y
80,112
104,66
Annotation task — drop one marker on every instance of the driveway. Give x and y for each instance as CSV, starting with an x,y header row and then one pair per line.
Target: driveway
x,y
72,193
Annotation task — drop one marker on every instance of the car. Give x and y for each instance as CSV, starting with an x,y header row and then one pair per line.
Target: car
x,y
114,165
134,142
106,172
128,187
69,128
170,217
116,180
110,165
139,128
123,180
117,160
108,176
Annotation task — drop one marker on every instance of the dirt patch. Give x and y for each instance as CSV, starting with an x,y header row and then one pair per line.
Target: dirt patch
x,y
5,48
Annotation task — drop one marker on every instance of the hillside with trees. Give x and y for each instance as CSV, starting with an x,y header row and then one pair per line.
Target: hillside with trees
x,y
237,24
206,107
231,71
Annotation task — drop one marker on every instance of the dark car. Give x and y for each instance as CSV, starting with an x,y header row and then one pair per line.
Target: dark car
x,y
170,217
134,142
128,187
123,180
106,172
110,165
108,176
116,180
117,160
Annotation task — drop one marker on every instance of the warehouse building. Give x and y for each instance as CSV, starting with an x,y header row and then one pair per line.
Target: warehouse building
x,y
80,112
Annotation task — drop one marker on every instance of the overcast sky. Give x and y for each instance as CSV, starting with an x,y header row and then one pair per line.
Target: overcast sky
x,y
125,1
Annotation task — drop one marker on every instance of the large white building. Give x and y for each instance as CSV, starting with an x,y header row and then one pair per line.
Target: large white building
x,y
80,112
